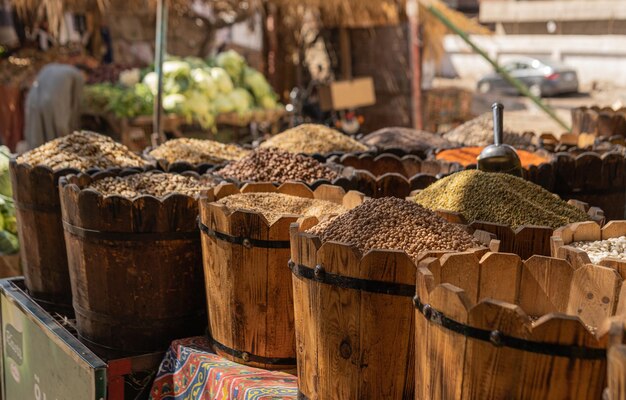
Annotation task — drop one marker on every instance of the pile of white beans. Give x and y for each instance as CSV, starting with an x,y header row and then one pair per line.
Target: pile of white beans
x,y
601,249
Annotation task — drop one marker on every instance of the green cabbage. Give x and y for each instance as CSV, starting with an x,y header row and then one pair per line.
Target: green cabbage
x,y
173,102
223,104
241,99
233,63
8,243
204,82
222,80
256,82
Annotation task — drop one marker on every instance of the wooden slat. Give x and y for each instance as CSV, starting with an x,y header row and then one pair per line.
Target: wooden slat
x,y
440,352
594,293
500,276
461,270
494,367
545,285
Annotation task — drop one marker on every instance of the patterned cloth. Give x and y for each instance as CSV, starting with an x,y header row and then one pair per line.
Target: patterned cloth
x,y
190,371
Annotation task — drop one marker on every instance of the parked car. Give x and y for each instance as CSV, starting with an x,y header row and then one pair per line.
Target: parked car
x,y
543,78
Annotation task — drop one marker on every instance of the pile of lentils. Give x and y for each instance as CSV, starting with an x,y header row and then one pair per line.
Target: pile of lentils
x,y
600,249
197,151
479,132
408,139
392,223
313,138
274,205
82,151
499,198
273,165
153,183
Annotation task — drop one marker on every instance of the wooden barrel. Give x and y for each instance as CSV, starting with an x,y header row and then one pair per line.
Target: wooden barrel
x,y
40,230
502,328
354,321
135,267
248,284
525,240
616,360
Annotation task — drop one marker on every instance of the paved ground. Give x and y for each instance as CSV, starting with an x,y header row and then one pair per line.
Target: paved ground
x,y
521,114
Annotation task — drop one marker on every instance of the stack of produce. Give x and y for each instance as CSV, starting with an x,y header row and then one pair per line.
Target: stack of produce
x,y
392,223
273,165
196,151
82,151
274,205
498,198
313,138
8,224
410,140
193,88
479,132
467,155
153,183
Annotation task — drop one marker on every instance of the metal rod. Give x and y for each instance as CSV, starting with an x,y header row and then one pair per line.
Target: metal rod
x,y
159,55
415,61
510,79
498,125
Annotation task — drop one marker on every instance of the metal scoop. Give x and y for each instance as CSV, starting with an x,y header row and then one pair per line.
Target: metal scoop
x,y
499,157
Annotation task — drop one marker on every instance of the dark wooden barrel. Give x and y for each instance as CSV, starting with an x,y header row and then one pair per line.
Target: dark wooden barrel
x,y
135,268
40,230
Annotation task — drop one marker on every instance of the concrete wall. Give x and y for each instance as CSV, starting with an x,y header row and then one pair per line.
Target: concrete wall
x,y
596,58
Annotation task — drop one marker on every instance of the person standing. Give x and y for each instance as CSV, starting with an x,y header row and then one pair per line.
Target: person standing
x,y
53,104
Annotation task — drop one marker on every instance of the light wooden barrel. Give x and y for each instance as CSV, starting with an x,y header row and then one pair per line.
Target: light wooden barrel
x,y
354,320
135,268
475,338
248,283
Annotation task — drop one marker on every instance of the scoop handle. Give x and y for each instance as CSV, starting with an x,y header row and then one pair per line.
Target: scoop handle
x,y
497,123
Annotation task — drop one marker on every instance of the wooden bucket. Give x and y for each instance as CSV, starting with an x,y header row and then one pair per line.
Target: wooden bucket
x,y
475,338
526,240
353,316
248,284
135,267
616,360
40,230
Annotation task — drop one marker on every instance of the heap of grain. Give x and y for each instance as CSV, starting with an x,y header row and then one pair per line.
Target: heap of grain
x,y
467,155
196,151
153,183
479,132
598,250
498,198
273,165
274,205
313,138
82,151
410,140
392,223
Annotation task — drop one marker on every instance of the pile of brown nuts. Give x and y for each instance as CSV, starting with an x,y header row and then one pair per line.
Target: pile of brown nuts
x,y
274,205
82,151
153,183
197,151
313,138
394,224
273,165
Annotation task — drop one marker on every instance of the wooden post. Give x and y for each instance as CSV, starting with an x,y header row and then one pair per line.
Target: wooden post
x,y
412,11
346,53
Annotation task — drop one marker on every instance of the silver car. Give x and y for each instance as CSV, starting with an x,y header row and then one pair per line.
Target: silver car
x,y
543,78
